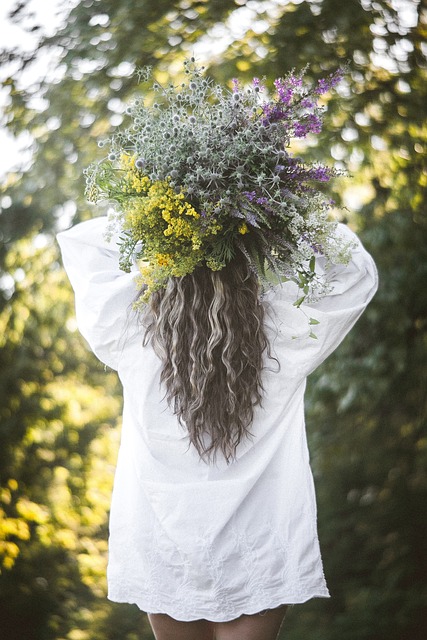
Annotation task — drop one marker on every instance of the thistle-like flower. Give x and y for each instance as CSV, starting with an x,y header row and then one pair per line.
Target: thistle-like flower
x,y
206,171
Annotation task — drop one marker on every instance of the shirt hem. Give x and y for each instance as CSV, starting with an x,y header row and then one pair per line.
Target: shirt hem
x,y
271,602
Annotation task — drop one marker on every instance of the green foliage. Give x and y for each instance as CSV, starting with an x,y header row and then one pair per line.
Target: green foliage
x,y
366,405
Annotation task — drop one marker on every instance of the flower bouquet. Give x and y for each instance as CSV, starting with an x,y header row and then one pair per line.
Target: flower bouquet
x,y
204,171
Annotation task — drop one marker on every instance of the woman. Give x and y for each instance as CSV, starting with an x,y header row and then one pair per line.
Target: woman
x,y
213,516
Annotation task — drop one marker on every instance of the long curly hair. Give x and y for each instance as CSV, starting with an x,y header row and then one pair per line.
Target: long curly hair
x,y
208,330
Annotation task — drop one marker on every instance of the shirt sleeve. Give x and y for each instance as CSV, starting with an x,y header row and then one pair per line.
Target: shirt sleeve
x,y
103,292
352,288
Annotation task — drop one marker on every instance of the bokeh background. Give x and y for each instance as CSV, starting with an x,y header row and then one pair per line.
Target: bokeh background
x,y
366,406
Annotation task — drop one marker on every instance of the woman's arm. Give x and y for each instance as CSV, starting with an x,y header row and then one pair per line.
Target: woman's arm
x,y
103,293
352,288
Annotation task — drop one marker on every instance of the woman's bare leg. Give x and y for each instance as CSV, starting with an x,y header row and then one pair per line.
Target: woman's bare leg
x,y
166,628
265,625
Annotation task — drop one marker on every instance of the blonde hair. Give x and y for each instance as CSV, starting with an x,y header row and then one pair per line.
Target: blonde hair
x,y
208,330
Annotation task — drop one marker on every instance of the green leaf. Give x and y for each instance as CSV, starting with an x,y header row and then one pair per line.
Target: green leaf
x,y
299,302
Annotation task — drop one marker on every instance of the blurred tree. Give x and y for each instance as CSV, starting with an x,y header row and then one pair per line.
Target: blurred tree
x,y
57,454
367,404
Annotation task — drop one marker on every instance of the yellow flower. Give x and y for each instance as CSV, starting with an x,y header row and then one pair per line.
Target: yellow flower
x,y
163,259
171,230
243,228
128,162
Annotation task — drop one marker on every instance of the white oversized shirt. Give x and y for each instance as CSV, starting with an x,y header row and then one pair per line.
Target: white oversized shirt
x,y
215,541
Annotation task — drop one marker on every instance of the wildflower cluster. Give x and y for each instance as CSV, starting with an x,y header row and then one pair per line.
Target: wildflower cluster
x,y
205,172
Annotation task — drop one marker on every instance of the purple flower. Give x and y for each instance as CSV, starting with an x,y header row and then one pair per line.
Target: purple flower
x,y
284,91
256,82
300,129
291,81
298,173
319,173
262,200
325,84
250,195
311,123
315,246
308,103
273,113
315,123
